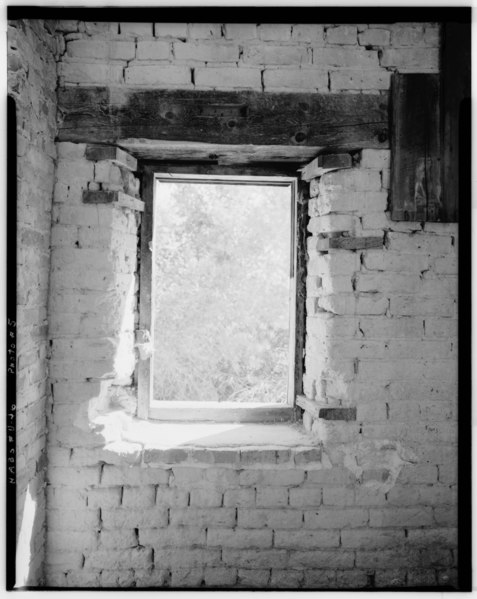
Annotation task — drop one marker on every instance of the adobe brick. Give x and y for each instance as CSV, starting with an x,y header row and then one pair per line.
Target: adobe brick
x,y
118,539
274,32
308,33
272,477
65,539
359,80
239,538
411,59
220,577
318,559
351,57
239,498
274,54
336,518
269,518
83,72
178,30
395,516
204,30
295,79
203,517
188,558
342,35
271,497
153,50
253,578
113,476
104,498
206,52
134,518
228,78
138,557
185,475
159,76
186,577
136,30
172,536
374,37
205,497
240,31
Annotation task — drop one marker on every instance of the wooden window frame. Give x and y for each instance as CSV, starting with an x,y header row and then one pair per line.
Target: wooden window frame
x,y
193,411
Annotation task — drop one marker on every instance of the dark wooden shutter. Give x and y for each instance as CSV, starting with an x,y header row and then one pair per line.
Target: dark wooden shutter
x,y
416,148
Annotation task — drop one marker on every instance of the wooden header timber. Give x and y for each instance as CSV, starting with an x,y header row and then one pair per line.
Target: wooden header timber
x,y
105,115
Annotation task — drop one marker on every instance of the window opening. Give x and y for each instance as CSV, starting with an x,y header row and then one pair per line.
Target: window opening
x,y
223,290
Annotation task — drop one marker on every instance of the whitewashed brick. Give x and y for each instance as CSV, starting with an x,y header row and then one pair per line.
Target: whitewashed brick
x,y
374,37
178,30
342,35
158,76
136,30
153,50
228,78
408,36
269,518
306,539
271,497
345,57
308,33
239,538
352,79
295,79
271,54
411,59
83,72
274,32
204,30
206,52
240,31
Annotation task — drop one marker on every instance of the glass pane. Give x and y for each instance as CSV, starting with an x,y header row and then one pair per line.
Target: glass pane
x,y
221,284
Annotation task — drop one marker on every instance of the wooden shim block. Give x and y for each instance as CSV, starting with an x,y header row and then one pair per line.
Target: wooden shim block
x,y
355,243
127,201
311,405
325,163
113,197
348,243
415,175
113,153
346,414
325,411
99,197
105,115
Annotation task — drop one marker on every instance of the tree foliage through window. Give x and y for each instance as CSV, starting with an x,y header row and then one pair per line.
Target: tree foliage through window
x,y
221,292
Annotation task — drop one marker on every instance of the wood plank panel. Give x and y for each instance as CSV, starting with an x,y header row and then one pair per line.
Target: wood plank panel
x,y
105,115
416,175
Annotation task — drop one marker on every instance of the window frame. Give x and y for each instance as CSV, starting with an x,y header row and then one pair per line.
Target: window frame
x,y
268,174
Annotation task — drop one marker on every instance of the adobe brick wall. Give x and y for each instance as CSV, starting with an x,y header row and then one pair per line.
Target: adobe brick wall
x,y
32,52
376,506
357,58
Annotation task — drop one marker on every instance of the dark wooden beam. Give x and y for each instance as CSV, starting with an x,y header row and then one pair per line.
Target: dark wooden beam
x,y
105,115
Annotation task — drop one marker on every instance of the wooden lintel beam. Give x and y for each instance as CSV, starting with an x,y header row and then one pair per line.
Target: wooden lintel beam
x,y
106,115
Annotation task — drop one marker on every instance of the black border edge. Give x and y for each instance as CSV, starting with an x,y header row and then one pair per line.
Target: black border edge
x,y
237,14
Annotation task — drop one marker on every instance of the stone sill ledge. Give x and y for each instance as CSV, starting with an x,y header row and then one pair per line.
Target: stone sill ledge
x,y
236,445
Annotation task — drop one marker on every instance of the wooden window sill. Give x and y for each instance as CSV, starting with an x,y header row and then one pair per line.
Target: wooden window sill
x,y
193,411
